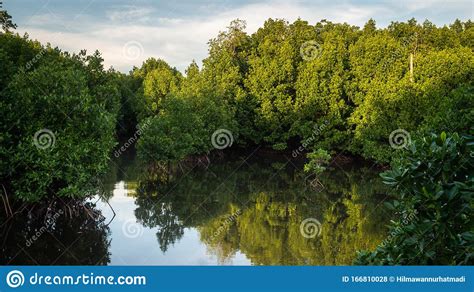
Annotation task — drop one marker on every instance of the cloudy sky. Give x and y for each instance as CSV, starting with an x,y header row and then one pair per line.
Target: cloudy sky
x,y
128,32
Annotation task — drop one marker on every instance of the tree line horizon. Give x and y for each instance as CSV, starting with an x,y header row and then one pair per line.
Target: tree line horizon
x,y
270,88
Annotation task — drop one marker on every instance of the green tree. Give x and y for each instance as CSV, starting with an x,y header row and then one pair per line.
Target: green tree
x,y
322,99
58,120
223,76
6,20
170,135
158,83
272,75
434,183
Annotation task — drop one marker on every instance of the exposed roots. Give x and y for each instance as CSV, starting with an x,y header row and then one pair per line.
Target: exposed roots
x,y
67,207
6,203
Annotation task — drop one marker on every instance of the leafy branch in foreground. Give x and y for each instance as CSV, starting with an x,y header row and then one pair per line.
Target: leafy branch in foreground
x,y
434,181
318,160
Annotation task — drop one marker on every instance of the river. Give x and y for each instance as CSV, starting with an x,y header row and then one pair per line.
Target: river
x,y
246,209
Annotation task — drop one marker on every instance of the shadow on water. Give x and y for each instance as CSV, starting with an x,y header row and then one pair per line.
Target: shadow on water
x,y
259,211
57,237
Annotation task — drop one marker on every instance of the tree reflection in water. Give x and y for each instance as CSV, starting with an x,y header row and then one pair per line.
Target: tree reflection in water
x,y
253,208
77,235
270,201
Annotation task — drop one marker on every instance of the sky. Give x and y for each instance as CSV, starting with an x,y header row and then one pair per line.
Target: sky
x,y
129,32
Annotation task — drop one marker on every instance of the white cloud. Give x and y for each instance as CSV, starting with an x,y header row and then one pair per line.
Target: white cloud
x,y
130,13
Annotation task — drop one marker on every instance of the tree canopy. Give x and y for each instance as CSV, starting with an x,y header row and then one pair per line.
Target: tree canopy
x,y
286,79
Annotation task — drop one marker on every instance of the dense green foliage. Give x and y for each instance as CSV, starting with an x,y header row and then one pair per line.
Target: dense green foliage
x,y
434,181
317,161
328,87
272,88
284,80
58,119
179,122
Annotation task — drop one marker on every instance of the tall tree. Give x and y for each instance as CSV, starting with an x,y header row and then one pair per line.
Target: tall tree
x,y
6,20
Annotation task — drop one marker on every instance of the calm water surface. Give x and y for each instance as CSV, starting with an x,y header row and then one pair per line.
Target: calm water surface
x,y
236,211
